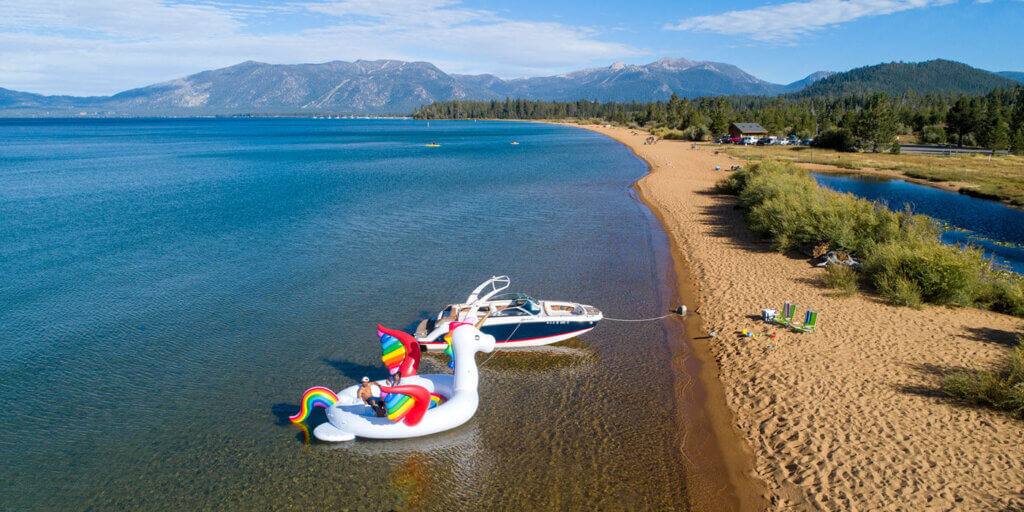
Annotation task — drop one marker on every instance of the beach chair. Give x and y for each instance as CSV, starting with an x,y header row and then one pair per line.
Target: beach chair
x,y
788,311
810,322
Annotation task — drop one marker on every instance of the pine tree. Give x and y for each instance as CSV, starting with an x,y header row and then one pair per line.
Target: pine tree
x,y
719,117
963,118
675,111
1017,117
998,136
876,125
1017,142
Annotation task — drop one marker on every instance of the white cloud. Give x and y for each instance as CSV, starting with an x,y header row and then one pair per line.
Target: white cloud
x,y
117,18
104,46
789,21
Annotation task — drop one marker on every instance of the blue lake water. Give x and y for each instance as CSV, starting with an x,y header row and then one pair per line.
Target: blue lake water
x,y
170,287
983,220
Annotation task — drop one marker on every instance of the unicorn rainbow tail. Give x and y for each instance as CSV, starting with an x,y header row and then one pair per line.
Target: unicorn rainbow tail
x,y
314,397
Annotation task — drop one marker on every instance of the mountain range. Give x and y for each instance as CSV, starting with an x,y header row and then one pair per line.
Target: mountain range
x,y
392,86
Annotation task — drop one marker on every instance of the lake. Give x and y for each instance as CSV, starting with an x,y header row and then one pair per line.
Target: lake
x,y
171,287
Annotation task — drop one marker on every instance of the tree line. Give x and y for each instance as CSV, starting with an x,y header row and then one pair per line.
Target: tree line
x,y
994,120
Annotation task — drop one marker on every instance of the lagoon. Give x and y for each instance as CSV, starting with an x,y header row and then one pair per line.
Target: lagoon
x,y
975,221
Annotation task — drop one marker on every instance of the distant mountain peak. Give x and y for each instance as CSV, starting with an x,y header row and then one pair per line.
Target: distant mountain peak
x,y
616,66
818,75
809,79
672,63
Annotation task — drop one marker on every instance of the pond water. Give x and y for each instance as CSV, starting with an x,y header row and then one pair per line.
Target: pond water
x,y
979,222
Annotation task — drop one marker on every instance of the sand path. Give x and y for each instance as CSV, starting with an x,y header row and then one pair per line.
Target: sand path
x,y
852,417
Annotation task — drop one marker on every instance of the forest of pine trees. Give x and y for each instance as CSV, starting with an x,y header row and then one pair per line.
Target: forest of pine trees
x,y
868,121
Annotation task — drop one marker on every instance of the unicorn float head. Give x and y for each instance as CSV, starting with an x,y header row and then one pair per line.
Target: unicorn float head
x,y
421,404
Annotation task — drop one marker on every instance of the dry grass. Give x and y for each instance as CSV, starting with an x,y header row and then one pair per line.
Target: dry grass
x,y
1000,177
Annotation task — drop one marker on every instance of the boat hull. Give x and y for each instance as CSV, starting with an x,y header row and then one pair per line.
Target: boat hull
x,y
526,334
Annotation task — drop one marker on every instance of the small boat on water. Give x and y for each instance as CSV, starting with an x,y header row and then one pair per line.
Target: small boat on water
x,y
514,319
433,145
514,143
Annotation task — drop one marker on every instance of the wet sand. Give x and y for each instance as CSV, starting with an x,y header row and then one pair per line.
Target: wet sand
x,y
851,417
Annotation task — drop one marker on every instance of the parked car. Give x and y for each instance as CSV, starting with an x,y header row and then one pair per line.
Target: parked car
x,y
766,141
724,139
748,140
783,142
736,140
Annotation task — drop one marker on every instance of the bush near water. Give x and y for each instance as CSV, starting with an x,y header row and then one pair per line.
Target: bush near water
x,y
841,278
1002,390
903,258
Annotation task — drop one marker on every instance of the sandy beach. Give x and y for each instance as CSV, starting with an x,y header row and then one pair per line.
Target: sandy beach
x,y
851,417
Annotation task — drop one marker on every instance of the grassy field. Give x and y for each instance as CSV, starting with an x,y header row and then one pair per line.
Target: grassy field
x,y
999,178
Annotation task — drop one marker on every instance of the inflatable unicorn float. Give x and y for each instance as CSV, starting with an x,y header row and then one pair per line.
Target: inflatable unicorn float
x,y
421,405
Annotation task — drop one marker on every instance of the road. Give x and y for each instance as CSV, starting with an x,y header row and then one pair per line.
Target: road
x,y
921,149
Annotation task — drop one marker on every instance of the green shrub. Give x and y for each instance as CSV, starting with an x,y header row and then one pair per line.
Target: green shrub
x,y
697,133
839,139
941,274
902,255
933,134
841,278
1005,294
694,133
1002,390
898,290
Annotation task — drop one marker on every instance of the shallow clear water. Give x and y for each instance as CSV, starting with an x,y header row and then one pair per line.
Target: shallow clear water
x,y
982,222
170,287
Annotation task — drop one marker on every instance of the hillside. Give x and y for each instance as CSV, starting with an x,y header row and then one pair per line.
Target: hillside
x,y
934,76
1013,75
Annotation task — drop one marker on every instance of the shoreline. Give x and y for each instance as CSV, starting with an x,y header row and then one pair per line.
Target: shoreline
x,y
730,456
730,451
851,416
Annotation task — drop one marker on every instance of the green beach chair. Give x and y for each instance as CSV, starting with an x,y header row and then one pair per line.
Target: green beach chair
x,y
810,322
788,311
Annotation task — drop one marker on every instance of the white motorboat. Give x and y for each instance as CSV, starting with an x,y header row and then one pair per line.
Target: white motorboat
x,y
514,319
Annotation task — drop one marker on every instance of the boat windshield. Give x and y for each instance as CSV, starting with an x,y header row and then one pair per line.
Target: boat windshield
x,y
512,311
529,304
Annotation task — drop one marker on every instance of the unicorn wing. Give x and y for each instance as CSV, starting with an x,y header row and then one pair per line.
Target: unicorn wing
x,y
392,352
404,350
407,403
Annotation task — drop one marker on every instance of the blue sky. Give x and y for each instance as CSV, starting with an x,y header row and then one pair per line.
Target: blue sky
x,y
105,46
